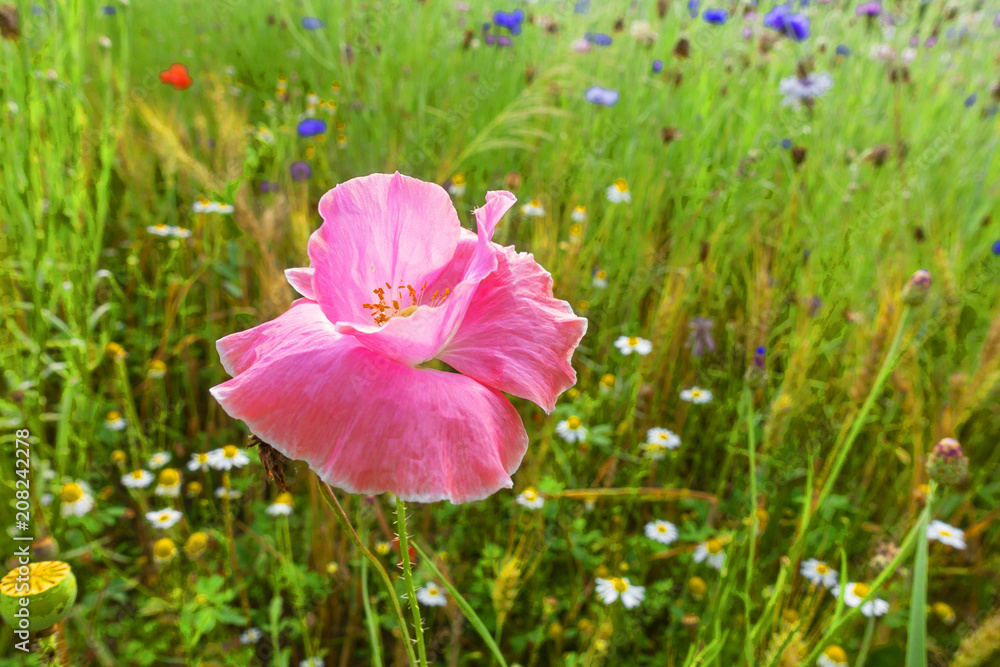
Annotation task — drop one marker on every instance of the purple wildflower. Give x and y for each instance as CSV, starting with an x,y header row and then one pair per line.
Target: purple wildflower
x,y
510,20
300,170
657,66
310,127
700,339
715,16
598,38
606,97
311,23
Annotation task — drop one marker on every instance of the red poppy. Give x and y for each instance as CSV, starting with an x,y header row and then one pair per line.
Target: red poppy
x,y
177,76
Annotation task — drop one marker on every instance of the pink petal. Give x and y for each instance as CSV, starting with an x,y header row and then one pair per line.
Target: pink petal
x,y
301,281
516,337
420,336
379,229
365,423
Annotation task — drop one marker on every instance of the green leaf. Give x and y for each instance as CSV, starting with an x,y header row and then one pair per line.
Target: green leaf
x,y
916,640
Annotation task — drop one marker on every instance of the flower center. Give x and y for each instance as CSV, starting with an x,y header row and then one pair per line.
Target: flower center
x,y
695,393
113,416
230,451
163,518
836,654
458,179
621,185
535,203
655,447
714,546
433,591
169,477
71,493
661,528
862,590
944,533
202,458
633,341
602,274
137,474
620,584
283,499
574,423
164,548
390,305
821,568
530,495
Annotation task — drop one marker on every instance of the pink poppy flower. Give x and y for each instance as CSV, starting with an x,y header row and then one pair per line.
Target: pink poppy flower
x,y
339,379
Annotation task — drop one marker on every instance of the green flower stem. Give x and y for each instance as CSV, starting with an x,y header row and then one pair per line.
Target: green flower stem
x,y
397,611
411,593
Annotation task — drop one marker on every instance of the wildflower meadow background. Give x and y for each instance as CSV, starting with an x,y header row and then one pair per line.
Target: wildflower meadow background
x,y
780,222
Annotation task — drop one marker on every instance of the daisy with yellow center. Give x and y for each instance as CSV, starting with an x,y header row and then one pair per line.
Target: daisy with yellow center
x,y
600,279
945,534
163,519
158,460
282,505
199,461
607,382
114,421
138,479
75,499
529,498
456,188
381,548
157,369
663,532
169,484
618,192
696,395
164,550
854,595
610,590
341,141
431,595
629,344
710,551
161,229
579,214
572,430
819,573
663,436
227,458
533,209
833,656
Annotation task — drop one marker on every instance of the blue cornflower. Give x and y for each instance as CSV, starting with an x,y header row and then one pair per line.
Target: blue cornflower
x,y
300,170
606,97
970,100
693,8
311,23
716,16
842,50
510,20
797,27
109,10
310,127
759,357
786,143
657,66
775,19
598,38
996,247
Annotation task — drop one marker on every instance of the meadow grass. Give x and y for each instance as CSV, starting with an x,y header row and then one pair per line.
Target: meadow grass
x,y
792,229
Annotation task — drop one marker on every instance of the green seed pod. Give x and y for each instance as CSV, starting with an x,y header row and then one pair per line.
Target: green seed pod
x,y
49,588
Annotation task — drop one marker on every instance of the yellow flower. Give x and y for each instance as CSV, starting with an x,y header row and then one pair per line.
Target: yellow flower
x,y
196,545
164,550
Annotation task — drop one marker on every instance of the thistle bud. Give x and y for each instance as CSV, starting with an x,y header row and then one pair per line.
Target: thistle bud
x,y
916,288
947,464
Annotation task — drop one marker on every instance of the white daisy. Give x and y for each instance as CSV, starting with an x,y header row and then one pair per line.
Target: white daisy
x,y
654,450
180,232
163,519
711,551
114,421
533,209
854,593
199,461
663,532
600,279
158,230
618,192
138,479
457,186
610,590
663,436
431,596
158,460
169,484
203,206
945,534
251,636
529,498
232,493
629,344
579,214
572,430
696,395
312,662
282,505
76,499
227,458
833,656
818,572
